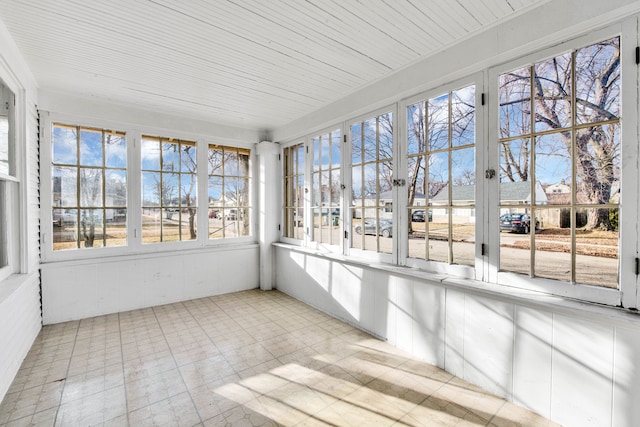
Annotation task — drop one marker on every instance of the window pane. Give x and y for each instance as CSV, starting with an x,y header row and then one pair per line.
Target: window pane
x,y
170,157
598,166
416,128
228,185
188,190
335,187
115,147
90,148
463,116
188,224
370,140
416,181
439,234
463,235
597,250
91,228
90,187
553,243
116,223
6,157
515,103
515,244
515,188
150,154
439,178
386,137
438,120
317,153
243,161
188,157
371,183
151,189
598,82
357,186
215,160
356,143
169,189
418,219
151,229
65,234
64,145
315,187
553,168
335,149
463,176
115,188
231,167
553,93
65,186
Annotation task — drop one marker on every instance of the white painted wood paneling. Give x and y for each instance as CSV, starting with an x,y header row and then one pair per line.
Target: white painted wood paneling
x,y
77,290
532,360
626,376
253,63
404,313
582,377
573,363
428,323
454,330
19,324
488,344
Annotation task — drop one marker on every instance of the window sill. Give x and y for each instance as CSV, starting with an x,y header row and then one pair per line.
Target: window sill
x,y
100,256
527,298
11,284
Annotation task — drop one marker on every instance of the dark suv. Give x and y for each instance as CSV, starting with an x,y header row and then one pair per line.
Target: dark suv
x,y
518,223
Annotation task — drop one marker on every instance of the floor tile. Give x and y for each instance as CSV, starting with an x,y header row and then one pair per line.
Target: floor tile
x,y
250,358
174,411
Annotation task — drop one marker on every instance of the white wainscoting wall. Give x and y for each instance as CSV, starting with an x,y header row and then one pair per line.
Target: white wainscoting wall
x,y
79,289
574,363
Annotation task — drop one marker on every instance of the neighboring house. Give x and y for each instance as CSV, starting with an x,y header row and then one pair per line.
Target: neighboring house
x,y
558,188
511,193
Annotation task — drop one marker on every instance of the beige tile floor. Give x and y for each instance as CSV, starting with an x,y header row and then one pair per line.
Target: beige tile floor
x,y
244,359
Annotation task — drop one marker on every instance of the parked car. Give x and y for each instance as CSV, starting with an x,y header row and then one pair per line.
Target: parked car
x,y
67,216
418,216
231,215
385,229
517,223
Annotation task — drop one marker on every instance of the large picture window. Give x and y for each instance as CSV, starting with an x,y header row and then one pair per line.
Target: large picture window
x,y
294,192
89,187
169,190
441,178
229,211
560,163
372,184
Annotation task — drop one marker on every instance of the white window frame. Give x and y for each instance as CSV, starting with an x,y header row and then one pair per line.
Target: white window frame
x,y
15,239
390,258
628,285
464,271
134,245
309,153
307,201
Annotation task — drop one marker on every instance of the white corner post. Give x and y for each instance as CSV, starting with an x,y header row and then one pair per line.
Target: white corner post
x,y
268,208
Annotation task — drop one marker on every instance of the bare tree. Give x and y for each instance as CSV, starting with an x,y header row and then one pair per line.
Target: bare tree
x,y
597,100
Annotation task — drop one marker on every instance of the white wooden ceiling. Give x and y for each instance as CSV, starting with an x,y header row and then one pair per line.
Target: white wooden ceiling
x,y
253,63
